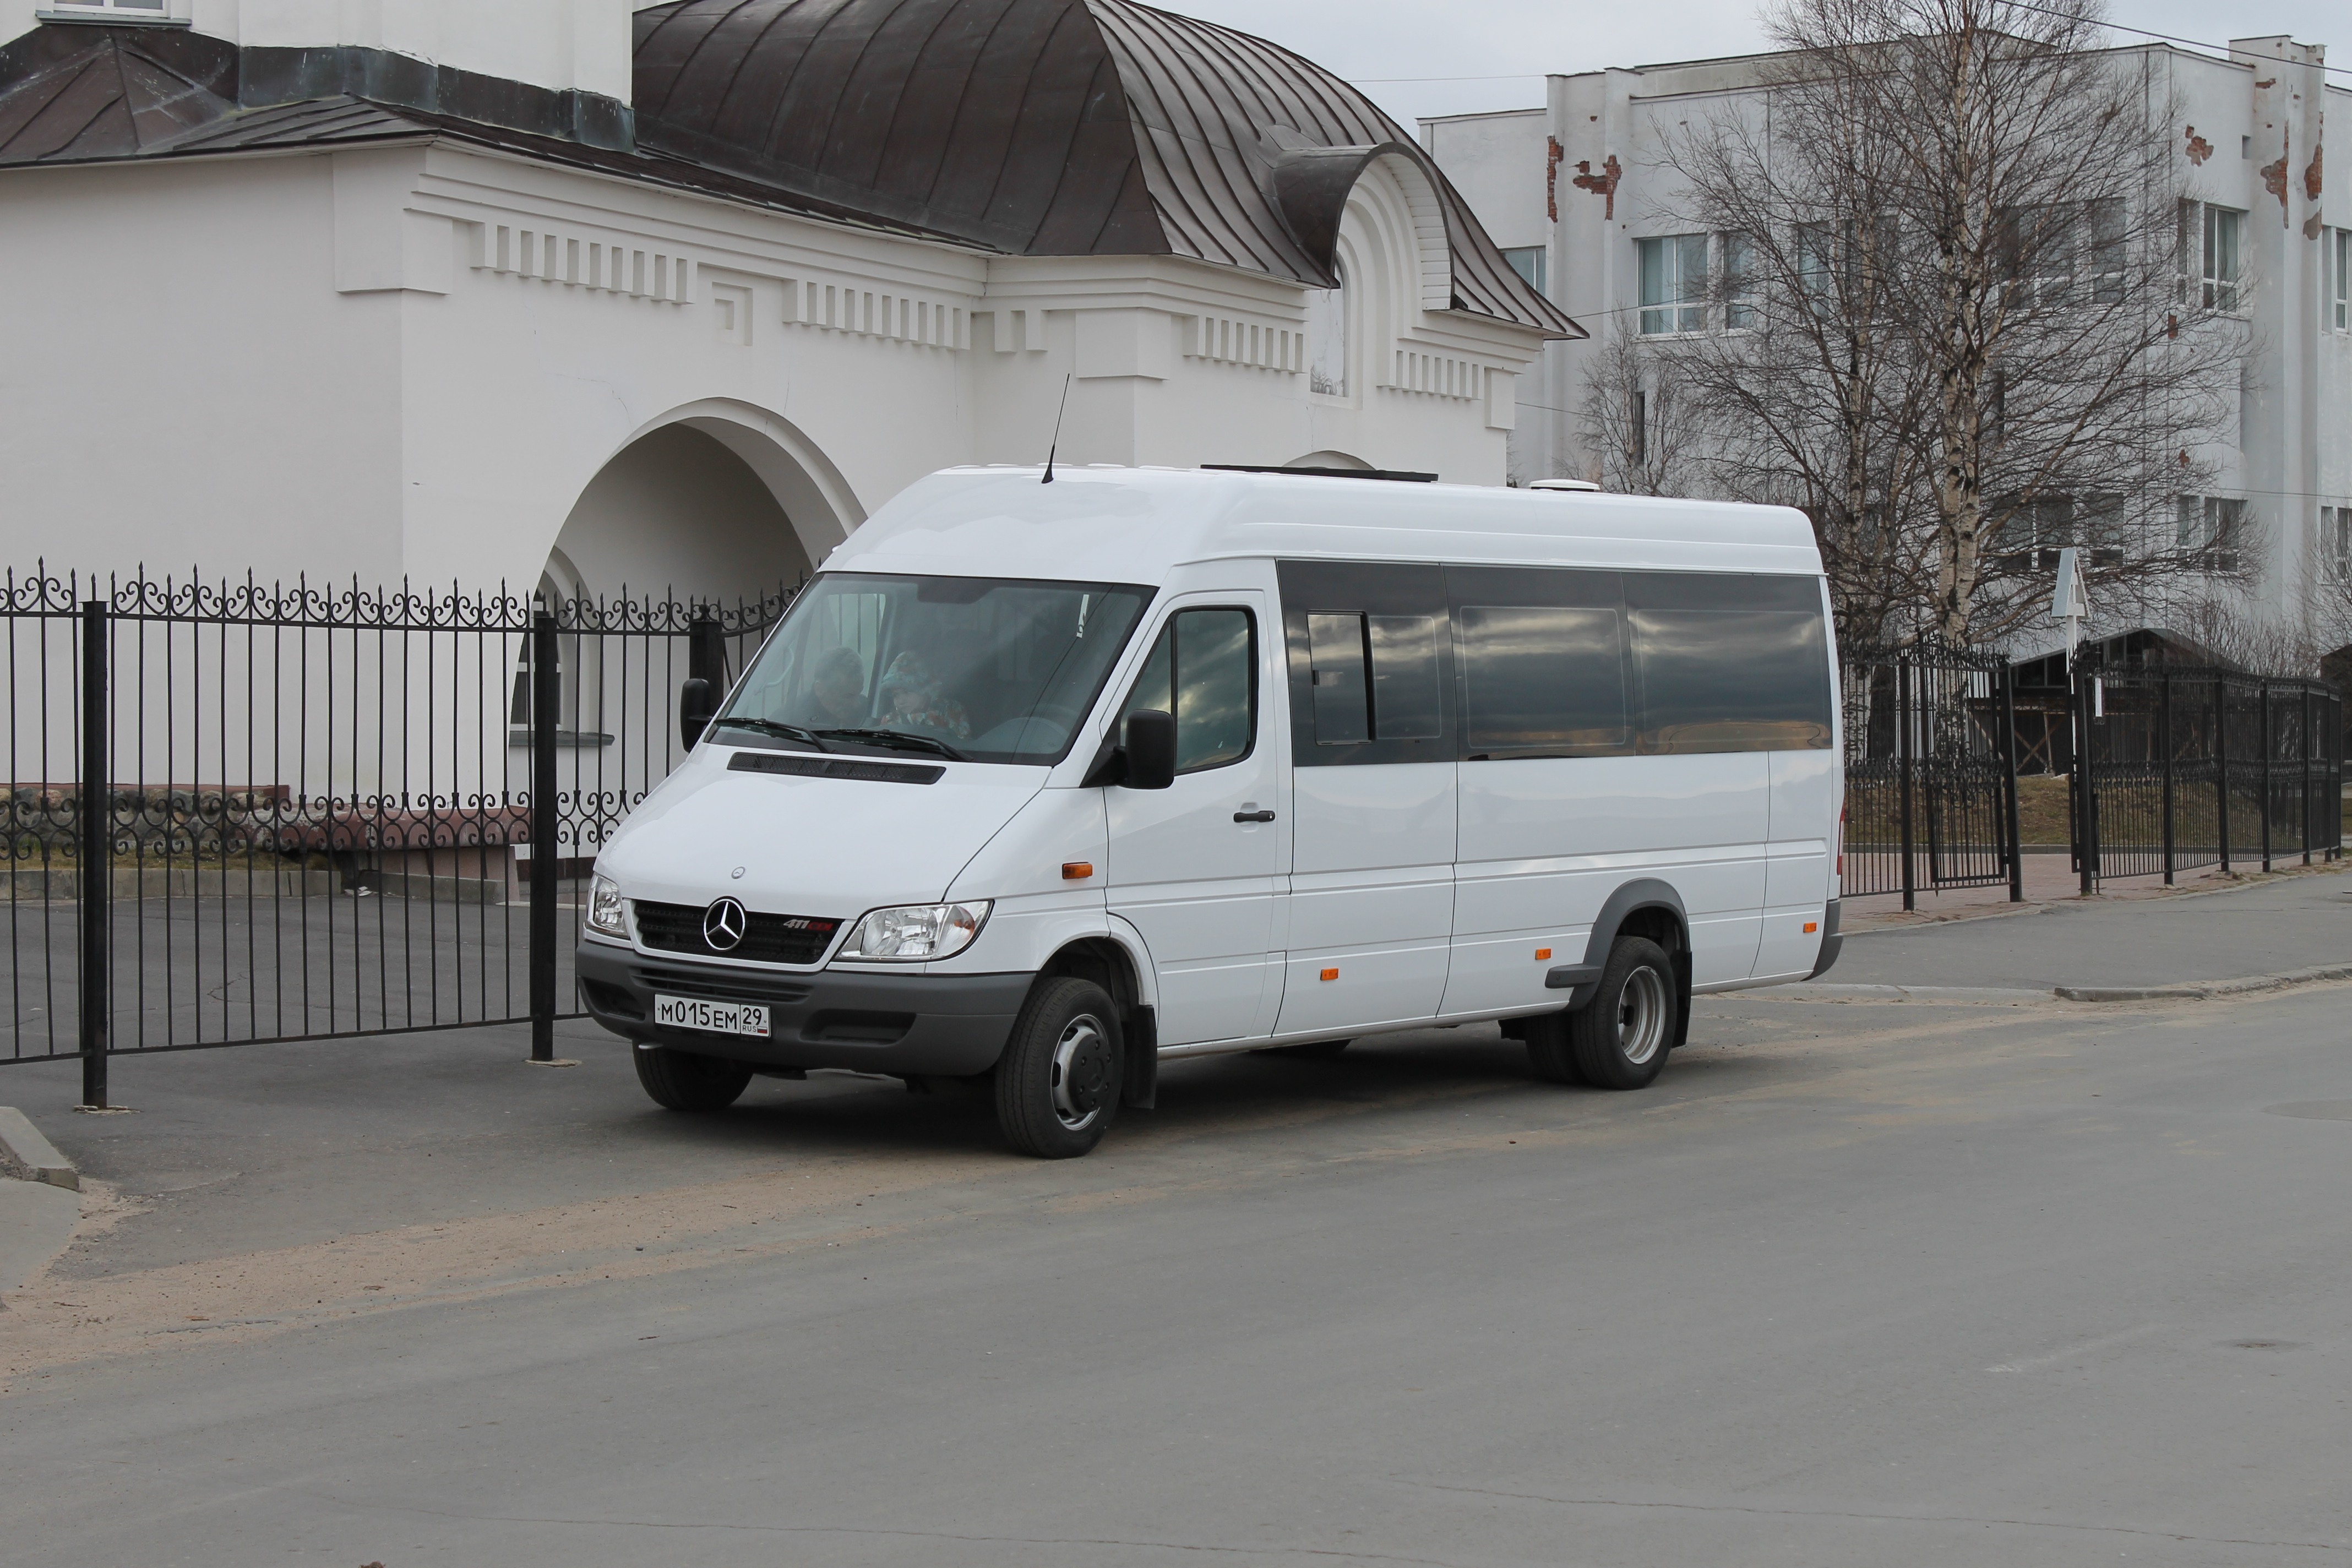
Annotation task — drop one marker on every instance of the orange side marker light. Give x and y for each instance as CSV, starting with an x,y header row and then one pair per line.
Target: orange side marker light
x,y
1542,954
1331,974
1812,926
1077,870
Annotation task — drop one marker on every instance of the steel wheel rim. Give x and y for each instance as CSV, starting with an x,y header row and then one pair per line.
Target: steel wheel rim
x,y
1078,1036
1640,1016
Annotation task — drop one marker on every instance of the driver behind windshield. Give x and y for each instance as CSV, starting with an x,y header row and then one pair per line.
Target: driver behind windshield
x,y
838,688
913,701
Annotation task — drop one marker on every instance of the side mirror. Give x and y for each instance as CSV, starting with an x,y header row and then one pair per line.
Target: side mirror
x,y
1150,750
696,703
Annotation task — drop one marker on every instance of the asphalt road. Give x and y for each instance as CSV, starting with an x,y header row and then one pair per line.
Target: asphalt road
x,y
1855,1283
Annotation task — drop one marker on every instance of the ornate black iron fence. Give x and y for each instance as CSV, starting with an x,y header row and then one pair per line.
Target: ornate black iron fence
x,y
2191,767
1930,771
239,812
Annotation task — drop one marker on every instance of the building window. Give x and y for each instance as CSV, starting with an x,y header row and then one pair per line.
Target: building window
x,y
1529,262
1738,282
2209,529
2336,539
2211,246
1327,337
2339,279
112,10
1674,283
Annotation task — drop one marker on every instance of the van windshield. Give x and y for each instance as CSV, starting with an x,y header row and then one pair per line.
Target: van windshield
x,y
982,668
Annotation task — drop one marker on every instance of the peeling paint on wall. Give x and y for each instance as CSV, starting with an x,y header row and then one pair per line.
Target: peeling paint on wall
x,y
1553,153
1602,185
2311,175
2199,148
2274,177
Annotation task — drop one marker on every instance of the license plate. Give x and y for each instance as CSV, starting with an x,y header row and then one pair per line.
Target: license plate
x,y
716,1018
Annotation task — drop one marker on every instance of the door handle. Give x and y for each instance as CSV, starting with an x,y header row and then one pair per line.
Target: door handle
x,y
1252,816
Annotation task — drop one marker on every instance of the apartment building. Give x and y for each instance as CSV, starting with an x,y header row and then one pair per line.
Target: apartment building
x,y
1578,195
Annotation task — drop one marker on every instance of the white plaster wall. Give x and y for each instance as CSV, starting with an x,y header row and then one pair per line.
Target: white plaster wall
x,y
1502,160
351,363
181,382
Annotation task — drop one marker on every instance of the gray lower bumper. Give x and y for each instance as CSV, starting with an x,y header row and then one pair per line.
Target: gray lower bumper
x,y
1831,940
949,1024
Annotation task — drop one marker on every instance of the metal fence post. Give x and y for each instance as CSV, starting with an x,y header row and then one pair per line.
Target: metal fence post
x,y
2303,769
2086,834
2165,710
2009,827
97,859
2222,764
2270,745
1903,751
546,702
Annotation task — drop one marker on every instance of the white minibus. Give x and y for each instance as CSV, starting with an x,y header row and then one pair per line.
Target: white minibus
x,y
1047,778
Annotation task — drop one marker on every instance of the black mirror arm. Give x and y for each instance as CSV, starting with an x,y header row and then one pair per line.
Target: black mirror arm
x,y
1109,766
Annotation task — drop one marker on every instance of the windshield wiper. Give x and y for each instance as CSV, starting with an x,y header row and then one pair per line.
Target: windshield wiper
x,y
903,739
769,727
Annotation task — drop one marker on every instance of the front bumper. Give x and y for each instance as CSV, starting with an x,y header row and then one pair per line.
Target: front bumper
x,y
947,1025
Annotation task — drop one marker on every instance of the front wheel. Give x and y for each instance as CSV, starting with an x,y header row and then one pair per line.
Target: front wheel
x,y
1620,1038
681,1080
1057,1083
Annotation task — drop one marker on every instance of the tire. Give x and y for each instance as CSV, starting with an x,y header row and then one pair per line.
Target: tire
x,y
1548,1050
1058,1082
681,1080
1317,1051
1620,1038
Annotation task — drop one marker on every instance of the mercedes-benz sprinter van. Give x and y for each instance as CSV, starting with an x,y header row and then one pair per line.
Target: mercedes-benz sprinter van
x,y
1043,782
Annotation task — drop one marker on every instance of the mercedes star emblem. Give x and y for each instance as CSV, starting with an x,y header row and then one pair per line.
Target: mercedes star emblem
x,y
723,924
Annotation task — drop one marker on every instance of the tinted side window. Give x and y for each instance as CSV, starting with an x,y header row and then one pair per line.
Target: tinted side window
x,y
1203,669
1727,663
1548,678
1543,661
1407,701
1370,662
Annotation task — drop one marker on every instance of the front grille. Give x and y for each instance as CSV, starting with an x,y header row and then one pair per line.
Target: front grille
x,y
720,986
767,939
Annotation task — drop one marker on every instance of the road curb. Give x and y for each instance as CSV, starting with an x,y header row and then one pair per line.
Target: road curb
x,y
22,1144
2204,990
1978,995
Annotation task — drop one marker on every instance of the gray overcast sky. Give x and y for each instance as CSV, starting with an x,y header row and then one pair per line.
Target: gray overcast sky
x,y
1363,39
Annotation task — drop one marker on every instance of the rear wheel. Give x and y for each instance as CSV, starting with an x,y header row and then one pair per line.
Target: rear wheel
x,y
1620,1037
681,1080
1057,1083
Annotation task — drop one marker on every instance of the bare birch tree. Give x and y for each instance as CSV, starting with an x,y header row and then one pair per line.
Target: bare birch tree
x,y
1952,316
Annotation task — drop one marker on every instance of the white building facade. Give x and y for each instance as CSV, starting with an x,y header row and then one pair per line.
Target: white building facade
x,y
546,291
1578,196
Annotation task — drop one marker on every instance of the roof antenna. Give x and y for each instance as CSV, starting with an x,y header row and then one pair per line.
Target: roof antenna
x,y
1056,443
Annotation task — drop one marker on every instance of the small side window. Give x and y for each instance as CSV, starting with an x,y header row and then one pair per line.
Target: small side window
x,y
1202,669
1343,708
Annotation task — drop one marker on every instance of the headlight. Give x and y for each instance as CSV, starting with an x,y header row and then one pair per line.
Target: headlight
x,y
605,915
916,931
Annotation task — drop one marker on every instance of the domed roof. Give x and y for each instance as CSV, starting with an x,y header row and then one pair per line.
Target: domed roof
x,y
1042,128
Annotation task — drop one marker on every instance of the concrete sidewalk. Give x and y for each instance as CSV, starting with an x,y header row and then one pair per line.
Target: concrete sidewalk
x,y
2231,931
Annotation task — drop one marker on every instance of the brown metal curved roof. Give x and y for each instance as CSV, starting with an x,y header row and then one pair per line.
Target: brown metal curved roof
x,y
1036,127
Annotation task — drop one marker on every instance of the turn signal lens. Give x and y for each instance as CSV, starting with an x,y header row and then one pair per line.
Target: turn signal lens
x,y
1542,954
1077,870
1812,926
915,931
606,915
1331,974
